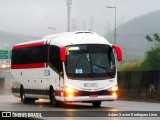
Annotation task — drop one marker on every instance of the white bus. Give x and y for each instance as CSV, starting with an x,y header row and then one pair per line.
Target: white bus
x,y
66,67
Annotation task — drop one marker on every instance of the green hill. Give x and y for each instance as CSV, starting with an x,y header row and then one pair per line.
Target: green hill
x,y
131,35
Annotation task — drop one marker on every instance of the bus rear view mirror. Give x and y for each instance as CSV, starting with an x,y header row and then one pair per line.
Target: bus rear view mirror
x,y
118,52
62,54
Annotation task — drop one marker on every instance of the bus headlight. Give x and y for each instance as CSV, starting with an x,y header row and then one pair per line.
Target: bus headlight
x,y
114,88
69,91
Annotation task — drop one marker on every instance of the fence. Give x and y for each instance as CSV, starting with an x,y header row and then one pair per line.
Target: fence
x,y
139,85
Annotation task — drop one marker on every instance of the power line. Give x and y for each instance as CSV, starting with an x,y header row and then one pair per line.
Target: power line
x,y
135,34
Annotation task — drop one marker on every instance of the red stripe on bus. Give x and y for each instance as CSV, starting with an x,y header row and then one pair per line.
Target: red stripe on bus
x,y
28,45
25,66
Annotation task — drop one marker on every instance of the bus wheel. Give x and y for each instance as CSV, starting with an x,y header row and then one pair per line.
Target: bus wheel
x,y
52,97
96,104
53,100
22,95
23,98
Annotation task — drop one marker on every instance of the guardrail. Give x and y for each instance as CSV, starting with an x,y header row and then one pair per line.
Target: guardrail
x,y
2,81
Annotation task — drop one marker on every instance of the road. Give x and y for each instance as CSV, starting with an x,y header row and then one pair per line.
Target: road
x,y
11,103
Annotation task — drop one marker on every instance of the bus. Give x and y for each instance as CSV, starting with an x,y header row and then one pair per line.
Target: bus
x,y
66,67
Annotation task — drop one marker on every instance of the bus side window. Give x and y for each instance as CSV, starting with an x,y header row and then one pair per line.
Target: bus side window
x,y
54,58
29,55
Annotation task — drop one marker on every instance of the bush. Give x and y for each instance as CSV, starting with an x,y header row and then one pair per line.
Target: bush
x,y
152,60
130,66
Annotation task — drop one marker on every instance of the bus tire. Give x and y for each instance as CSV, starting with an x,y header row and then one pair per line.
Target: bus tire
x,y
53,100
23,97
52,97
96,104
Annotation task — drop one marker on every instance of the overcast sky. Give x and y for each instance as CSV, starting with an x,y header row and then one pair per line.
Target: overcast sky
x,y
33,17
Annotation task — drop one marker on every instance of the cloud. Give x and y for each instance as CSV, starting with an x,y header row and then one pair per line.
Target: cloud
x,y
32,17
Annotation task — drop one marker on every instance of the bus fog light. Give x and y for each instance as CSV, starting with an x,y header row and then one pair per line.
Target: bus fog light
x,y
70,95
114,94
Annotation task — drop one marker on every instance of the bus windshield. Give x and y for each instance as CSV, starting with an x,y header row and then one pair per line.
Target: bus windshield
x,y
91,61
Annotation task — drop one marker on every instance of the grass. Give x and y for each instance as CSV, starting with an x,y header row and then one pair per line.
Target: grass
x,y
130,66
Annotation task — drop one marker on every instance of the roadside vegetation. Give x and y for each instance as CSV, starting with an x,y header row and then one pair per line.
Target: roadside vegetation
x,y
151,60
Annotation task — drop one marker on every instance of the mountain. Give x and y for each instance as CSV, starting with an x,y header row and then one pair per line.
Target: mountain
x,y
131,35
7,40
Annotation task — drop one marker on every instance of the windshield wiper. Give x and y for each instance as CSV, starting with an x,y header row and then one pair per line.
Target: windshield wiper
x,y
104,68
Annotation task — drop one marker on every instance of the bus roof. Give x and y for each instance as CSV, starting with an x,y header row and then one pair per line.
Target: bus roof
x,y
78,37
29,44
67,38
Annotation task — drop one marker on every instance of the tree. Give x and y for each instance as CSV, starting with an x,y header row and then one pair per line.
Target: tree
x,y
156,39
149,38
152,58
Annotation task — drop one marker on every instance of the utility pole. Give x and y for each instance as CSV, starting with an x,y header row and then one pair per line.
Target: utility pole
x,y
115,23
92,23
69,3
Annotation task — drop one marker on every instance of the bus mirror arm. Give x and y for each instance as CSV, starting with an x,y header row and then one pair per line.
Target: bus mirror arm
x,y
59,77
118,52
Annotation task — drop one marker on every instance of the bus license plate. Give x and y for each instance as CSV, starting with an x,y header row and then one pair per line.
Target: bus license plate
x,y
90,84
93,96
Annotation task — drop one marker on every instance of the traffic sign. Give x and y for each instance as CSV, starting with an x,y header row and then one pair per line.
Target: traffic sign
x,y
3,57
5,54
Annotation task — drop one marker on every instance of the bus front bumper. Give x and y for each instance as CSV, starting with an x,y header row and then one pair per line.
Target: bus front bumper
x,y
89,98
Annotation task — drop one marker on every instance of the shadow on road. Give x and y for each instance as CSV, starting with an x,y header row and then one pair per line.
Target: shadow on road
x,y
73,106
